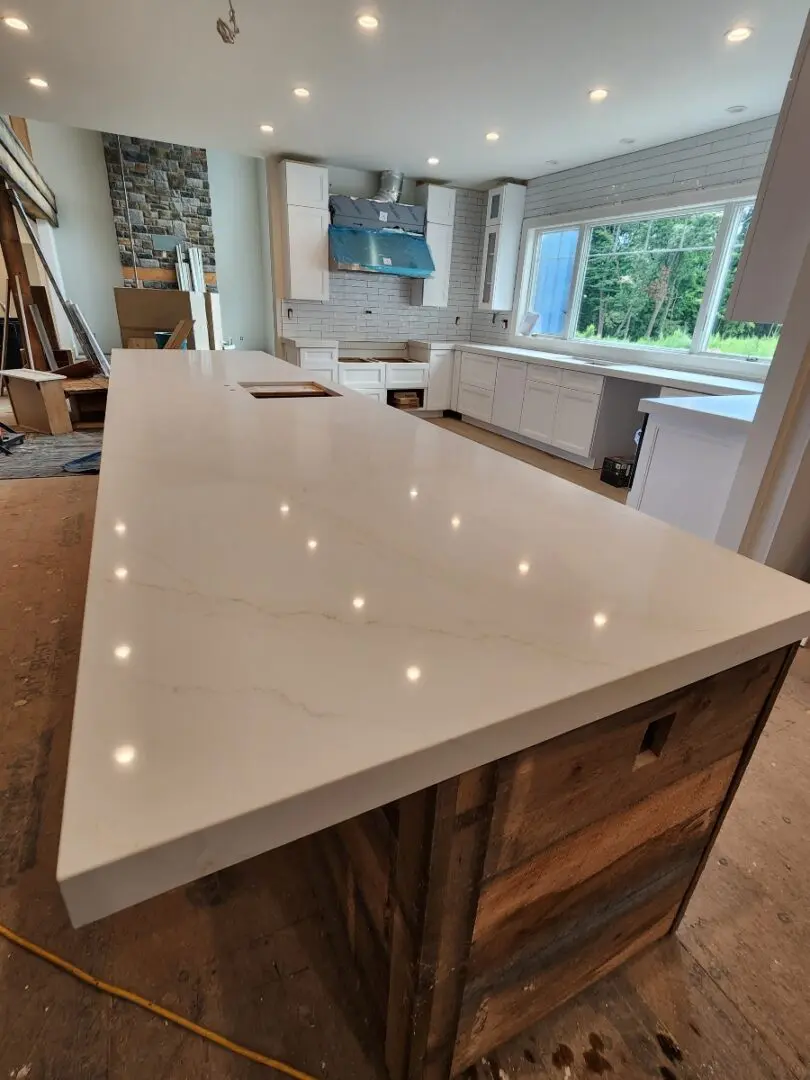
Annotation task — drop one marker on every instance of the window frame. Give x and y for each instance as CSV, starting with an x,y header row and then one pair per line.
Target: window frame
x,y
730,200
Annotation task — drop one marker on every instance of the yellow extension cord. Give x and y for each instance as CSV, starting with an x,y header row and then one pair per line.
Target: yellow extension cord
x,y
150,1006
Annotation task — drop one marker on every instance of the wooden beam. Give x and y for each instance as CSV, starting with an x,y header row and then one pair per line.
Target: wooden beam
x,y
18,168
20,128
11,247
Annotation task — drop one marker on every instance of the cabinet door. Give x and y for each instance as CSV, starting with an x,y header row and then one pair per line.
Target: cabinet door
x,y
575,421
327,373
478,370
510,387
441,204
441,379
494,206
436,289
307,253
475,402
306,185
539,407
488,271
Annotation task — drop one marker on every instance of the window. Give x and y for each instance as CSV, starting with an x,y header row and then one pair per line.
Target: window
x,y
644,280
660,282
739,338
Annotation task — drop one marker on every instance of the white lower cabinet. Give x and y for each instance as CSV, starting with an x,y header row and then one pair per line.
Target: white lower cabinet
x,y
475,401
375,395
439,393
575,421
510,386
539,408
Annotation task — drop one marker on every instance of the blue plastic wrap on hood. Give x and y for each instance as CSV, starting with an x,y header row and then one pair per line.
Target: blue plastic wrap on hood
x,y
380,251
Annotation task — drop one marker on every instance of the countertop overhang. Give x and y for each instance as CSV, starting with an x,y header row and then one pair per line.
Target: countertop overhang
x,y
301,609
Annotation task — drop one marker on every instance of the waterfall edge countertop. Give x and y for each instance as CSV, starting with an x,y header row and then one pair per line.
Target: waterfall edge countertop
x,y
300,609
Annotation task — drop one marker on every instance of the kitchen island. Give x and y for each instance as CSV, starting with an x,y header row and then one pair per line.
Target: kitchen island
x,y
510,714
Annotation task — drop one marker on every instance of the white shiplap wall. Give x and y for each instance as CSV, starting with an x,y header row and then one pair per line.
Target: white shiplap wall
x,y
718,158
376,307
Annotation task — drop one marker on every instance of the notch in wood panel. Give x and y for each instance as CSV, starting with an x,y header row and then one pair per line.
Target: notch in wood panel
x,y
654,741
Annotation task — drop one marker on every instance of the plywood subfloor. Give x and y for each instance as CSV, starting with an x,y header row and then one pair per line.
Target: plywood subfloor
x,y
568,470
245,951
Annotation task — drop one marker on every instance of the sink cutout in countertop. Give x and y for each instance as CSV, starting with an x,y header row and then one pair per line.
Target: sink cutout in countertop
x,y
287,390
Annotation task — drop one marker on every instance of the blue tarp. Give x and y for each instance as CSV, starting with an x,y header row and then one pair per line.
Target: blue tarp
x,y
380,251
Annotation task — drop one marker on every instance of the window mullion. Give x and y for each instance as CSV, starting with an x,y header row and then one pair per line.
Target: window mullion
x,y
715,278
575,299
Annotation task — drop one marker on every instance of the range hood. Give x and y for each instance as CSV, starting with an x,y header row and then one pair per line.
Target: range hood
x,y
379,235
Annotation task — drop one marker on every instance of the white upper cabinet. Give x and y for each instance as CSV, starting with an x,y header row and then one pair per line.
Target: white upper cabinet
x,y
306,262
306,231
305,185
435,290
440,207
439,202
504,224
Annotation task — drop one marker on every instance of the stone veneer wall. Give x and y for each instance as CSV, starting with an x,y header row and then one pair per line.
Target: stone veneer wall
x,y
169,195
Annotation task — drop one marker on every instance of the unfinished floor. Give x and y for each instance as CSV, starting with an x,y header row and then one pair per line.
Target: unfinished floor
x,y
245,952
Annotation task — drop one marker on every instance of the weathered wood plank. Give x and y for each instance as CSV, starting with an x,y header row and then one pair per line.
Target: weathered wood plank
x,y
614,856
551,791
491,1018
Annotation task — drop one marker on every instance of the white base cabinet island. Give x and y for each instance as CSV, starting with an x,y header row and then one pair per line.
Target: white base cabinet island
x,y
500,719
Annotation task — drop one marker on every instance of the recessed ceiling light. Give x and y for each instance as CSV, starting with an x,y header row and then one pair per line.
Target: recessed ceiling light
x,y
627,142
266,128
739,33
122,652
492,136
301,91
125,755
368,22
312,544
736,108
359,602
599,94
524,567
121,573
600,619
433,161
38,82
413,673
13,23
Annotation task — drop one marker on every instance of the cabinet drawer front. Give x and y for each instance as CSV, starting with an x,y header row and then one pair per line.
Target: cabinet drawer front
x,y
583,380
327,374
539,374
406,375
373,395
310,358
475,402
479,370
361,375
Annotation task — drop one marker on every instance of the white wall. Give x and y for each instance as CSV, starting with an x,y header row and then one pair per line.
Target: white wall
x,y
240,237
72,162
728,156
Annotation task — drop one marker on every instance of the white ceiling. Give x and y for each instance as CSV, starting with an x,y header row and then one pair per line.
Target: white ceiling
x,y
432,80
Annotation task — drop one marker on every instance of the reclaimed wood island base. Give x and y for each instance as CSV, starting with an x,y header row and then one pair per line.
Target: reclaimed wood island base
x,y
475,907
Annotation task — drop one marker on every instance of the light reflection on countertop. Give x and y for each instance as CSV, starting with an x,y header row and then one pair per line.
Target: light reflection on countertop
x,y
330,604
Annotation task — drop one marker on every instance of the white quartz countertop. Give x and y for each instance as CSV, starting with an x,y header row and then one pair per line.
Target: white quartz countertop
x,y
301,609
682,380
732,411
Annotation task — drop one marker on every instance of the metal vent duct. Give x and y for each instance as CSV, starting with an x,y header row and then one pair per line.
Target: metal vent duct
x,y
390,186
